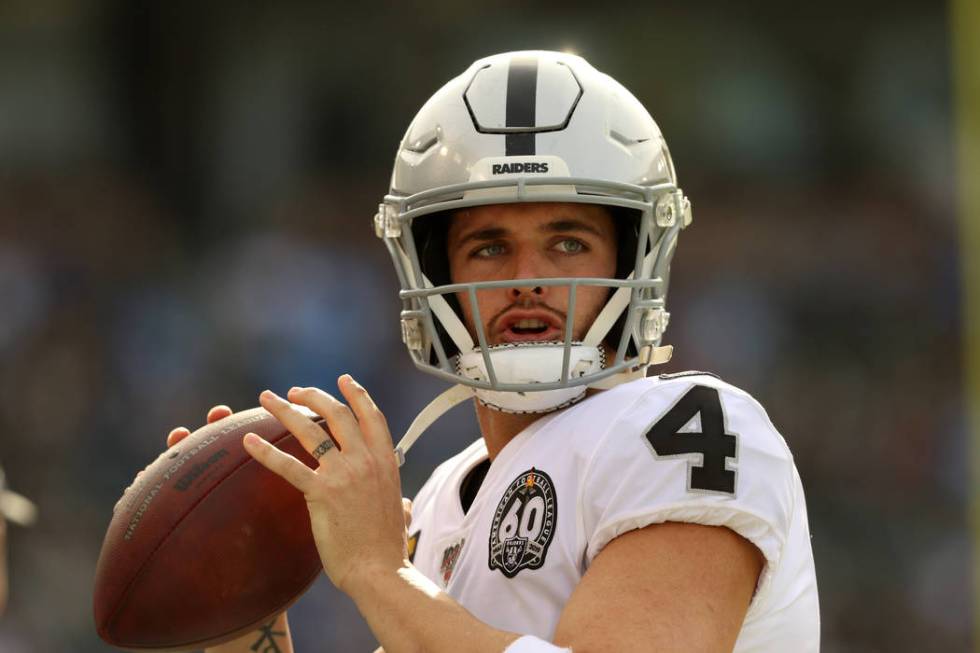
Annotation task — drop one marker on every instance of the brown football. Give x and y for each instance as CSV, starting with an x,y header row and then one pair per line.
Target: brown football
x,y
206,544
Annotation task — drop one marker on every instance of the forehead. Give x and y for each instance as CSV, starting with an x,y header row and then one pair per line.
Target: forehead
x,y
529,215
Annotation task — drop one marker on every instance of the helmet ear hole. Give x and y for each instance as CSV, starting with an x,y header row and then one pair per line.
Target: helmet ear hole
x,y
627,223
430,234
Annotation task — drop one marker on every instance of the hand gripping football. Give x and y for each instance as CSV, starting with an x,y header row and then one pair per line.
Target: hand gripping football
x,y
207,543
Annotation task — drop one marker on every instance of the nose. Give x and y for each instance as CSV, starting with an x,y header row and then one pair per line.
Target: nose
x,y
527,264
526,293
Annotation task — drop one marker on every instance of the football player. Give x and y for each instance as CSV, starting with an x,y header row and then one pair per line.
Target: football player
x,y
532,216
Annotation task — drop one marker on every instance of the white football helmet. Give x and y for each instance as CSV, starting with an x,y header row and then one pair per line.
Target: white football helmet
x,y
532,127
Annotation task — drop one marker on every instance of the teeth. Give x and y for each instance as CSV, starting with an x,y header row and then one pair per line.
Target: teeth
x,y
530,324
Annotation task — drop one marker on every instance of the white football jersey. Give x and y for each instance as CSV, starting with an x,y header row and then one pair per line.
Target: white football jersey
x,y
684,448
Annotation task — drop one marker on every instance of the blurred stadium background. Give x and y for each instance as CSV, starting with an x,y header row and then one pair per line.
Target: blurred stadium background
x,y
186,192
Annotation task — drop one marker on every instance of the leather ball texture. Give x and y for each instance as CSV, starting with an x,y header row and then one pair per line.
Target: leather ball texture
x,y
206,544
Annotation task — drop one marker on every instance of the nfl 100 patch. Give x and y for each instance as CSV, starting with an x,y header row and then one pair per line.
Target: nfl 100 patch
x,y
523,524
449,558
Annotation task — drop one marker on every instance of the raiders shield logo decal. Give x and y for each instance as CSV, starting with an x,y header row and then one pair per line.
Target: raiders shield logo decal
x,y
523,524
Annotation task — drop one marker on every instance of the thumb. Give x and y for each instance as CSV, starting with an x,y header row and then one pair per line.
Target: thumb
x,y
407,510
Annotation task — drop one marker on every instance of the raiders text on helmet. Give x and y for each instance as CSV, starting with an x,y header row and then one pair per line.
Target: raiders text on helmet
x,y
518,167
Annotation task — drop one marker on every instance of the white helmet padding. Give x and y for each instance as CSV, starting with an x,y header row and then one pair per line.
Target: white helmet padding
x,y
531,363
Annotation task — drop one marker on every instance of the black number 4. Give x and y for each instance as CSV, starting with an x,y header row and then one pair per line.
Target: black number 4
x,y
712,442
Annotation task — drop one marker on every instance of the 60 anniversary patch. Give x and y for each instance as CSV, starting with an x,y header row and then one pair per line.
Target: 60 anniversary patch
x,y
523,524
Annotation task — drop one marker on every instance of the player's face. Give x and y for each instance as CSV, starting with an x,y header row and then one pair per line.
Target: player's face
x,y
525,241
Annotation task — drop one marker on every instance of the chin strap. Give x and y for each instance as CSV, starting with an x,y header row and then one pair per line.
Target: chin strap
x,y
436,409
450,321
648,356
459,393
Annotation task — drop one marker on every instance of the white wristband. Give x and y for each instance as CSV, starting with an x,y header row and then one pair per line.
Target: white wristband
x,y
531,644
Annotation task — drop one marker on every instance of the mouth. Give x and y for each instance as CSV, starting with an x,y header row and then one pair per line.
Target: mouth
x,y
538,326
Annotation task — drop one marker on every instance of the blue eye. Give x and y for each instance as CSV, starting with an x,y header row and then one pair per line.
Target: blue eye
x,y
571,246
488,251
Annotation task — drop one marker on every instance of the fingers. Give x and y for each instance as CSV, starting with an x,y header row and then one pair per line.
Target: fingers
x,y
369,416
309,434
407,511
357,429
177,435
341,422
280,463
218,412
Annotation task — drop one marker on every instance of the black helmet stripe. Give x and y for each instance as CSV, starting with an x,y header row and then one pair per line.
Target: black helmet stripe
x,y
522,95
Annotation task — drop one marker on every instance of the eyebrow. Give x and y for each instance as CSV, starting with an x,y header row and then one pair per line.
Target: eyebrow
x,y
559,225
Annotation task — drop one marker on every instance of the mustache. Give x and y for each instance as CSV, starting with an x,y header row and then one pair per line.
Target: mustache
x,y
524,306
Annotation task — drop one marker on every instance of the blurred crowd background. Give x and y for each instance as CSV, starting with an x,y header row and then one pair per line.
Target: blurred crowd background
x,y
186,193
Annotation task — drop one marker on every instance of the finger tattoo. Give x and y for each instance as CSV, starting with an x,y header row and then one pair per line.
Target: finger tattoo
x,y
268,634
323,448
